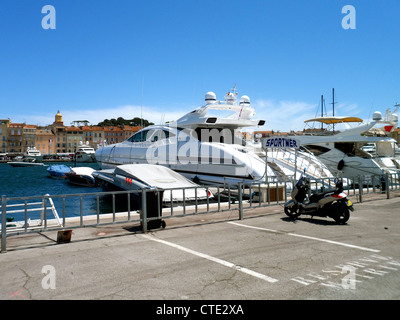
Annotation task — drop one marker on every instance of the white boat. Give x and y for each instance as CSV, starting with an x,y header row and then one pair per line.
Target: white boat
x,y
203,145
82,176
26,162
148,176
85,153
32,152
354,151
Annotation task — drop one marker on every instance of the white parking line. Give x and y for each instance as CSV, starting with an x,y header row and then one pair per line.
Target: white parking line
x,y
208,257
307,237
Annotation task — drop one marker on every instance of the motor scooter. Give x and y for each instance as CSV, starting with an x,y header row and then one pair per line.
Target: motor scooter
x,y
331,203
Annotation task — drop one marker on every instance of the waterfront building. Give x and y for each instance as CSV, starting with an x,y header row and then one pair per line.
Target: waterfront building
x,y
74,135
15,138
94,135
130,130
58,138
4,124
44,141
60,135
28,136
395,134
113,134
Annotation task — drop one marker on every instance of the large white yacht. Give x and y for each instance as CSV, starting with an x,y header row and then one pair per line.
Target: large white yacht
x,y
354,151
85,153
204,146
32,152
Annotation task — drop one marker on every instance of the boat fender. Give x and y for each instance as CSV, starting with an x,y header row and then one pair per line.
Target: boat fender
x,y
340,164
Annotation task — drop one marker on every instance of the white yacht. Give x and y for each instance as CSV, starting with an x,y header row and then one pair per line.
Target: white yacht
x,y
85,153
32,152
203,146
354,151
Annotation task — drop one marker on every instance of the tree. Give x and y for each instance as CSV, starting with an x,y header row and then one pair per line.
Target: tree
x,y
121,122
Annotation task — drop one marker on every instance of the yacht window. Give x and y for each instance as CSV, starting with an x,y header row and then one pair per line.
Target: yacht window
x,y
139,136
160,135
168,134
347,148
316,149
352,149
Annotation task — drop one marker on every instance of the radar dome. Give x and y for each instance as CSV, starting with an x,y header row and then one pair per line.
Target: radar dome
x,y
244,100
211,97
377,116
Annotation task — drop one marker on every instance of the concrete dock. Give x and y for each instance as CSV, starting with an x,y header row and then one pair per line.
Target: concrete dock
x,y
265,256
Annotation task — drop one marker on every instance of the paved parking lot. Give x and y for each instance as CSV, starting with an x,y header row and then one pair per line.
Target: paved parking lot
x,y
214,257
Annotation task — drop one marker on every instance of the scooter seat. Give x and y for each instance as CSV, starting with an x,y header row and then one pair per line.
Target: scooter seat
x,y
315,197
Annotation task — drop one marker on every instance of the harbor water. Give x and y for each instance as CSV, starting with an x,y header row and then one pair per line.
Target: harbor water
x,y
36,181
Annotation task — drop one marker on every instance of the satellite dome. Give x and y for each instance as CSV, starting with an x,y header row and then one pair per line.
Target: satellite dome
x,y
377,116
244,99
211,97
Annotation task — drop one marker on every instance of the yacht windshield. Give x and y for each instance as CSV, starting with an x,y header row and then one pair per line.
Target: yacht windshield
x,y
150,135
159,134
316,149
139,136
352,149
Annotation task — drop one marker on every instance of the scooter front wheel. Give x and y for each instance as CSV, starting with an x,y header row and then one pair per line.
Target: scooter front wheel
x,y
292,212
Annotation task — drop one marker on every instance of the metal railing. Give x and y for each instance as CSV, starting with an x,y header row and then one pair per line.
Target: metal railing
x,y
147,205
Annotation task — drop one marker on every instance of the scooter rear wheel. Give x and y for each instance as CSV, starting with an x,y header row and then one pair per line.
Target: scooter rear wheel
x,y
342,215
292,212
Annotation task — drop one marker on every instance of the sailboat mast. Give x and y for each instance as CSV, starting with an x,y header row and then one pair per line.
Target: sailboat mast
x,y
322,110
333,105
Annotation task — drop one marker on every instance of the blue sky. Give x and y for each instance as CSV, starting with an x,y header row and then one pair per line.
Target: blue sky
x,y
158,58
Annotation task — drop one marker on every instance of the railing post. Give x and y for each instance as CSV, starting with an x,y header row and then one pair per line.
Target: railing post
x,y
387,185
240,201
3,224
144,212
360,188
373,183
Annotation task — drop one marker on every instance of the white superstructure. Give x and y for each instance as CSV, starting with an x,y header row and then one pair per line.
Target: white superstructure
x,y
204,145
355,151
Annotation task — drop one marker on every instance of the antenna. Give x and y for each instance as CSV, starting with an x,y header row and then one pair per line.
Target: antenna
x,y
396,107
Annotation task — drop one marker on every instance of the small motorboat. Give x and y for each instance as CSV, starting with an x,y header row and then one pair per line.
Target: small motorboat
x,y
150,176
81,176
26,162
58,171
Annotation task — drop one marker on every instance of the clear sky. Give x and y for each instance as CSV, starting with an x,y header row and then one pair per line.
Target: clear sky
x,y
158,58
